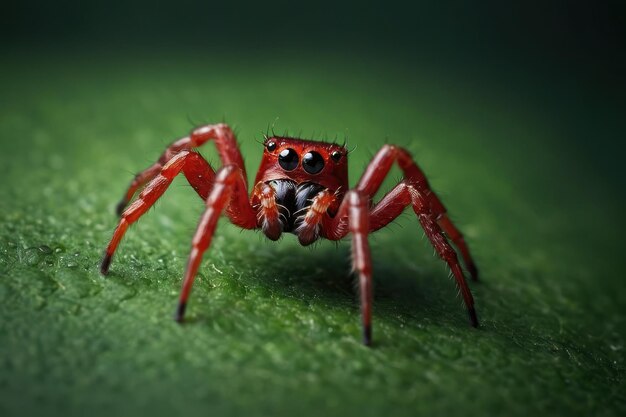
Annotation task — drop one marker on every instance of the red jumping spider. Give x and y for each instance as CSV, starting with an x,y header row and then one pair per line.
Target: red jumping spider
x,y
302,188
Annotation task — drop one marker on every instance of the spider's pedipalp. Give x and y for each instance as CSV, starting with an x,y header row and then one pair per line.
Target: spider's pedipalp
x,y
268,212
309,223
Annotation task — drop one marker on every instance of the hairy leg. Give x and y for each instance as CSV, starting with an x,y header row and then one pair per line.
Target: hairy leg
x,y
394,203
225,142
228,178
201,177
196,169
389,208
358,218
445,251
353,216
378,169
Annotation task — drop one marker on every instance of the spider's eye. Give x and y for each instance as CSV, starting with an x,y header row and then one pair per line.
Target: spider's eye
x,y
288,159
312,162
271,146
336,155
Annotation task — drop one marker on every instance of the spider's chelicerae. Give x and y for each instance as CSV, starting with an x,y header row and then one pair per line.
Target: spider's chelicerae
x,y
301,188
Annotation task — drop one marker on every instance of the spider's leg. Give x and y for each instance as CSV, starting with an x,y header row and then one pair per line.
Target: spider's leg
x,y
194,167
138,182
445,251
309,223
457,238
378,169
358,219
353,217
394,203
225,142
228,179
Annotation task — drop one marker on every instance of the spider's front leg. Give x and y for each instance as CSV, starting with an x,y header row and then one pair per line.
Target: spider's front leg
x,y
199,174
353,216
201,177
377,170
358,221
225,142
228,193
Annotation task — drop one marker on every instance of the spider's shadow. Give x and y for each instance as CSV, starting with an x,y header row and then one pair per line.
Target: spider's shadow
x,y
322,276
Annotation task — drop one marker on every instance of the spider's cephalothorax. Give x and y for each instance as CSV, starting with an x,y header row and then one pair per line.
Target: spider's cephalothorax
x,y
301,188
299,179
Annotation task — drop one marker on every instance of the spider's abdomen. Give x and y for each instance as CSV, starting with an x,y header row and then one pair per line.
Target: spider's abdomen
x,y
293,199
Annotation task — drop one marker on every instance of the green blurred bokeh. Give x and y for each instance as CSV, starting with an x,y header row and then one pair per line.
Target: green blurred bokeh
x,y
515,112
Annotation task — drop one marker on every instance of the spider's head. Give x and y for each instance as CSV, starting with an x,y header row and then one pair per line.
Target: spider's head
x,y
302,161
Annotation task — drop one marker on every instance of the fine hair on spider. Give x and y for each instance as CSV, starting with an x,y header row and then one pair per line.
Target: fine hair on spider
x,y
301,187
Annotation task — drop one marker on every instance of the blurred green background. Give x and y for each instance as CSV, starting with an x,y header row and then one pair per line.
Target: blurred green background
x,y
514,110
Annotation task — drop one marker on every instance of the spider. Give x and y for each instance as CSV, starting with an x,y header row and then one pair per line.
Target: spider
x,y
302,188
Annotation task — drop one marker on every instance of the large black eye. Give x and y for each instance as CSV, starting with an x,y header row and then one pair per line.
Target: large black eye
x,y
312,162
288,159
